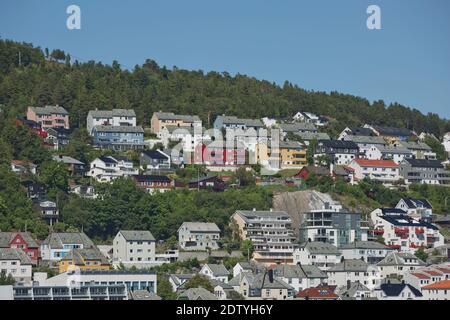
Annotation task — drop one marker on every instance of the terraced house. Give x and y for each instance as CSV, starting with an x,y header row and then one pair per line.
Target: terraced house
x,y
160,120
114,117
423,171
118,138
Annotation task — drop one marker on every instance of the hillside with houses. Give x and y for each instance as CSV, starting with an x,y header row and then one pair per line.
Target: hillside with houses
x,y
158,183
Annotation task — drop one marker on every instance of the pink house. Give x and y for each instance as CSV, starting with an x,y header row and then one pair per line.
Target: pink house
x,y
49,116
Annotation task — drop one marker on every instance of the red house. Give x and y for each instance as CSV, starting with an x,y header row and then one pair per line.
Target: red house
x,y
217,155
21,240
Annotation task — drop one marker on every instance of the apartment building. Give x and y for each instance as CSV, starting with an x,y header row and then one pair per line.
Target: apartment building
x,y
114,117
161,120
424,172
319,254
384,171
198,236
108,168
134,248
49,116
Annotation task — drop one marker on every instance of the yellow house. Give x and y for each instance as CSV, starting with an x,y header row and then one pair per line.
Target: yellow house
x,y
293,155
84,259
161,120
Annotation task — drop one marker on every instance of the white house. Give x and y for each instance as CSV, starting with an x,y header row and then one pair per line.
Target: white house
x,y
215,272
311,118
354,271
108,168
188,137
320,254
399,263
385,171
57,245
365,143
177,280
446,143
134,248
115,117
198,236
242,266
404,233
300,277
17,263
370,251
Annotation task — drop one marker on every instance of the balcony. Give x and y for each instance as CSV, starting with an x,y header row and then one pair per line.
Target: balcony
x,y
420,231
401,231
378,231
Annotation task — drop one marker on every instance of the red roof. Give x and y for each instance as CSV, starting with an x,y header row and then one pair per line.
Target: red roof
x,y
376,163
420,275
444,284
433,273
445,270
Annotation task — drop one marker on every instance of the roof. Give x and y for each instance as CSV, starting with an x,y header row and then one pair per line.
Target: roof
x,y
320,170
365,139
365,245
201,226
249,214
107,159
297,271
143,295
354,288
392,131
361,131
317,247
15,254
398,259
319,292
393,149
119,129
394,289
196,294
420,275
440,285
350,265
262,281
137,235
112,113
217,269
236,120
155,154
67,159
417,203
172,116
376,163
423,163
339,144
7,237
390,211
151,178
291,145
58,240
50,110
196,180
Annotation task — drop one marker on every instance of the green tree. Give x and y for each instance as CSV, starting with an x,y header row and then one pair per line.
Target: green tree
x,y
247,248
199,281
165,288
421,254
6,279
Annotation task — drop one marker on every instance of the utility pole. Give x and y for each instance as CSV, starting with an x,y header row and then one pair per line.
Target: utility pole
x,y
20,59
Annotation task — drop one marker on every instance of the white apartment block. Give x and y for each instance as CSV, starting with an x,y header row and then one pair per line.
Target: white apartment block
x,y
384,171
320,254
354,271
108,168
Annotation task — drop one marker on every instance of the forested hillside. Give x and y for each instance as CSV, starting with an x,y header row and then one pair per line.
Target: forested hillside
x,y
41,77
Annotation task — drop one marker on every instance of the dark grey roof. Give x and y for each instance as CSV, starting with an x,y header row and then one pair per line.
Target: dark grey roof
x,y
119,129
262,281
361,131
15,254
79,256
391,131
417,203
155,154
312,135
66,159
354,288
407,221
339,144
365,139
415,145
143,295
296,271
151,178
250,214
297,127
423,163
107,159
58,240
137,235
236,120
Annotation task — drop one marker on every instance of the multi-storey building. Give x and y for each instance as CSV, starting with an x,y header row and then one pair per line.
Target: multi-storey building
x,y
420,209
21,240
370,251
354,270
399,263
365,143
388,152
232,122
424,172
154,159
57,245
114,117
195,236
49,211
270,232
49,116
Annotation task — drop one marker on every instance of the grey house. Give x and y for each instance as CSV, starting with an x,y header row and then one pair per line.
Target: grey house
x,y
424,172
198,236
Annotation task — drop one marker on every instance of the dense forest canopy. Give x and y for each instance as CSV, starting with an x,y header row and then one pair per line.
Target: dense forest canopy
x,y
41,77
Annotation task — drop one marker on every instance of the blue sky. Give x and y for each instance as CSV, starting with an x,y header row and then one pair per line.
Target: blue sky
x,y
321,45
